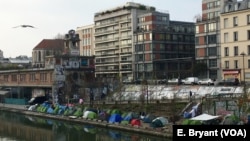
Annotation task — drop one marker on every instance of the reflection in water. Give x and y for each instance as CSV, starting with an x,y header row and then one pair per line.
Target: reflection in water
x,y
16,127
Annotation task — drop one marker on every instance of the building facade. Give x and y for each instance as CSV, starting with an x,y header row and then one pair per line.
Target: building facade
x,y
86,35
163,48
128,43
208,38
59,73
45,48
235,37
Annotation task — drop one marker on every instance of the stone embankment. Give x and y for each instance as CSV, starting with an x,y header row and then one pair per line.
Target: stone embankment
x,y
165,132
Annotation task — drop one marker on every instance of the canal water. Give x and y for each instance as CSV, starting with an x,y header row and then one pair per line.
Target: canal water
x,y
17,127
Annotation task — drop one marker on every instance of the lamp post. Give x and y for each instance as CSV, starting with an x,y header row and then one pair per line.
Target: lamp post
x,y
243,57
243,61
178,63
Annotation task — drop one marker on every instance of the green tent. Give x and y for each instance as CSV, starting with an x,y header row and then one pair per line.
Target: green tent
x,y
78,112
89,115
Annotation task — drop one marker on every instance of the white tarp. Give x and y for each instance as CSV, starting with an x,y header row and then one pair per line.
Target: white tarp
x,y
204,117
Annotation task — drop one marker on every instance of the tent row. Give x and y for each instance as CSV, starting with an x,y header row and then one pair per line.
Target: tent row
x,y
109,115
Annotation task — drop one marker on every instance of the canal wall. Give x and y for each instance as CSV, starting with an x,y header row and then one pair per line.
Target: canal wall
x,y
165,132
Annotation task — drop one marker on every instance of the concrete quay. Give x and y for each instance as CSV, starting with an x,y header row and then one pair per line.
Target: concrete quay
x,y
165,132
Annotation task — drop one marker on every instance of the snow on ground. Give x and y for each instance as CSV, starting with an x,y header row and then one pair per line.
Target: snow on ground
x,y
161,92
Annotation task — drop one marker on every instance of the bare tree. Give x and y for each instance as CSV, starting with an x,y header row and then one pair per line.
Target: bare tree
x,y
59,36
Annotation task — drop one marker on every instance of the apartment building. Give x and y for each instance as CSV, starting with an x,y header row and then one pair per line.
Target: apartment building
x,y
87,45
129,43
163,48
208,38
235,37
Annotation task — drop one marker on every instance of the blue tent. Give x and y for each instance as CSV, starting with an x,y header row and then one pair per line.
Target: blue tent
x,y
115,118
148,118
130,116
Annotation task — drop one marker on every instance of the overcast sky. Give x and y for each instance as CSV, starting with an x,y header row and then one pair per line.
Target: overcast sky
x,y
53,17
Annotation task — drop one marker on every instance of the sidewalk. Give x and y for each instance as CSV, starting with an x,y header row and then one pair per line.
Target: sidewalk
x,y
13,106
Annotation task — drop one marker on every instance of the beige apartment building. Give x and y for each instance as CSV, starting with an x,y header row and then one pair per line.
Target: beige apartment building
x,y
235,40
87,44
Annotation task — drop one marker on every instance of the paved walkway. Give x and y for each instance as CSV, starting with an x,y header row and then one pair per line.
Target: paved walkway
x,y
13,106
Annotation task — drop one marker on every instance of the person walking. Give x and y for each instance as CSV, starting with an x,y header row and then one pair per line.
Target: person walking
x,y
190,96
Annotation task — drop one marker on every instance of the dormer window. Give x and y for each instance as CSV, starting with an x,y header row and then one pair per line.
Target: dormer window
x,y
236,7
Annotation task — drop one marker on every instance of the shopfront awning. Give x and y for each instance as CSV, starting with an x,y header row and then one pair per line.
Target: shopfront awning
x,y
230,72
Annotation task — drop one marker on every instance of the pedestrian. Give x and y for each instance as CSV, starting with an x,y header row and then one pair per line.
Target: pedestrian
x,y
190,96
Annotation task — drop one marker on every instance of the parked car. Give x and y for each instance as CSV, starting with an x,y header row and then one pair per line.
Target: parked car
x,y
230,82
190,81
138,81
206,81
162,81
127,81
173,81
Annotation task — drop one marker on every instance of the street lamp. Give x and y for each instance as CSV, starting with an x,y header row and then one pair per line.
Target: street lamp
x,y
243,56
178,63
245,97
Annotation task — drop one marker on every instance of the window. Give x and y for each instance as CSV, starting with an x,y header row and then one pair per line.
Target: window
x,y
211,39
236,51
22,77
235,36
248,63
197,41
235,64
14,77
43,77
248,34
212,27
248,19
213,63
197,29
248,49
5,78
226,51
226,64
226,23
225,37
235,21
212,51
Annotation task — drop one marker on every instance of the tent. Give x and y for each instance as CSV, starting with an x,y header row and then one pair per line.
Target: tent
x,y
33,107
115,111
103,115
159,122
130,116
69,111
89,115
148,118
135,122
115,118
230,120
204,117
90,109
78,112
